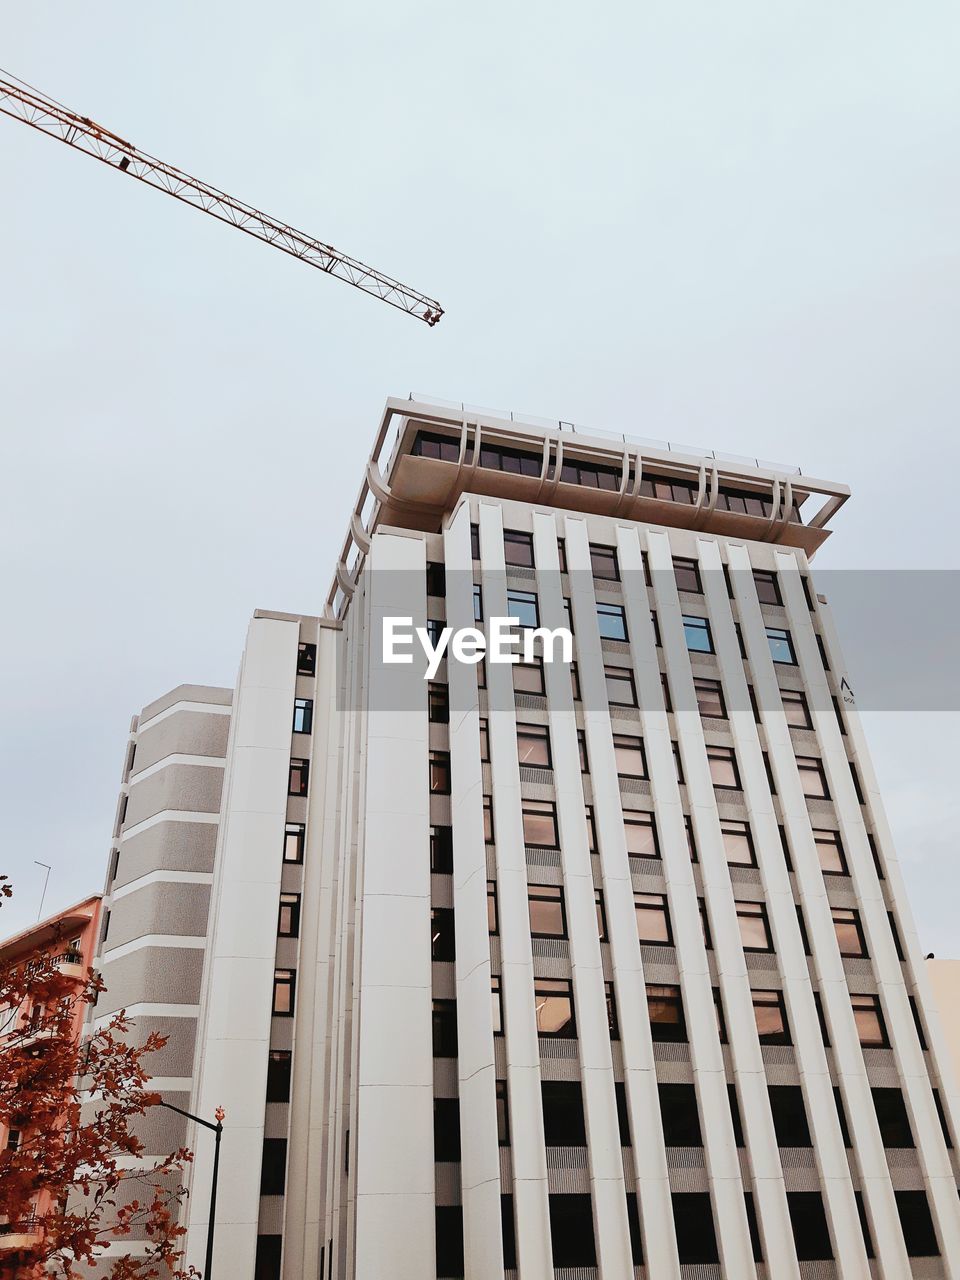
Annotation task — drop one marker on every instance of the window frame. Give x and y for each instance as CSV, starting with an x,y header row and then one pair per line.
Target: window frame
x,y
530,734
653,906
530,808
290,901
298,830
622,677
760,999
555,988
302,715
686,570
752,910
615,613
694,625
553,895
515,538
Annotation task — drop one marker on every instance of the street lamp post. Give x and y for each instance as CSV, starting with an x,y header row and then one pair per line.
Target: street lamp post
x,y
217,1132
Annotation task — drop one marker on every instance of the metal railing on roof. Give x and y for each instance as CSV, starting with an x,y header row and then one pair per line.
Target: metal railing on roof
x,y
621,437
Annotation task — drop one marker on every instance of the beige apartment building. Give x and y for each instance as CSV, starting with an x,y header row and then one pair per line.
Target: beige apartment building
x,y
599,969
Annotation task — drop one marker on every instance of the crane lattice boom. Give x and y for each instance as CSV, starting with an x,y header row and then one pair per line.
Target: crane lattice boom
x,y
35,109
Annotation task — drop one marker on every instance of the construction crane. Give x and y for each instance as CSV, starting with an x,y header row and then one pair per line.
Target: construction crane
x,y
22,102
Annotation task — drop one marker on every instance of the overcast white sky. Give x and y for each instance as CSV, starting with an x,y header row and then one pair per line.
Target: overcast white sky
x,y
735,225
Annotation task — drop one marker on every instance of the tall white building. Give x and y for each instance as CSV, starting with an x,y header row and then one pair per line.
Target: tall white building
x,y
539,970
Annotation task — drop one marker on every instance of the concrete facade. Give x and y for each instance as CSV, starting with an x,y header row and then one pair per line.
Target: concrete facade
x,y
608,976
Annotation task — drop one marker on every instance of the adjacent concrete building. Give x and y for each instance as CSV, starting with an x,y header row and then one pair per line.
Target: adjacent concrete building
x,y
602,970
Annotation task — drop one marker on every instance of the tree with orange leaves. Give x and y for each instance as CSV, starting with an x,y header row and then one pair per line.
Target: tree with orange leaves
x,y
78,1181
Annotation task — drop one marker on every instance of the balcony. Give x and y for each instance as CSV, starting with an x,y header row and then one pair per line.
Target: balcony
x,y
69,964
24,1234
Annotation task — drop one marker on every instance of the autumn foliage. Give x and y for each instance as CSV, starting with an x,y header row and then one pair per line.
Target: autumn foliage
x,y
79,1181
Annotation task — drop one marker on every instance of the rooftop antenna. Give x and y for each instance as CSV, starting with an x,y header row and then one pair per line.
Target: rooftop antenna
x,y
46,881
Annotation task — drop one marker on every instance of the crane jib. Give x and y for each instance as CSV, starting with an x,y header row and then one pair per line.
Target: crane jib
x,y
33,108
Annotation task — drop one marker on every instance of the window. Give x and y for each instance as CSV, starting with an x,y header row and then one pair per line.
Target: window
x,y
474,542
678,1112
918,1233
436,579
302,715
754,927
693,1220
571,1228
822,650
892,1118
849,931
533,745
477,603
781,646
691,839
288,925
563,1119
493,919
298,777
449,1233
14,1137
446,1129
821,1019
518,548
293,842
440,773
443,944
601,915
540,824
613,1024
621,691
523,606
515,461
284,990
641,835
266,1264
441,850
696,632
633,1224
273,1167
582,749
591,828
710,698
789,1115
855,778
653,918
656,628
434,627
894,933
603,562
665,1008
813,780
738,843
842,1117
503,1115
717,998
553,999
528,677
562,554
623,1115
307,659
768,588
438,704
875,853
687,574
705,924
612,621
830,853
444,1028
488,819
723,767
735,1117
485,741
942,1116
811,1235
548,917
575,681
795,709
430,444
665,688
771,1017
629,755
278,1075
918,1022
496,1005
868,1015
667,489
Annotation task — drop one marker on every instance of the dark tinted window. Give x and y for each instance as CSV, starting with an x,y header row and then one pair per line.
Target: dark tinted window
x,y
789,1115
693,1219
678,1111
273,1168
449,1240
446,1129
810,1232
918,1233
563,1121
278,1075
892,1118
571,1231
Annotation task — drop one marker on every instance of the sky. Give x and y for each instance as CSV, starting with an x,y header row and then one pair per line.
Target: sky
x,y
733,225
